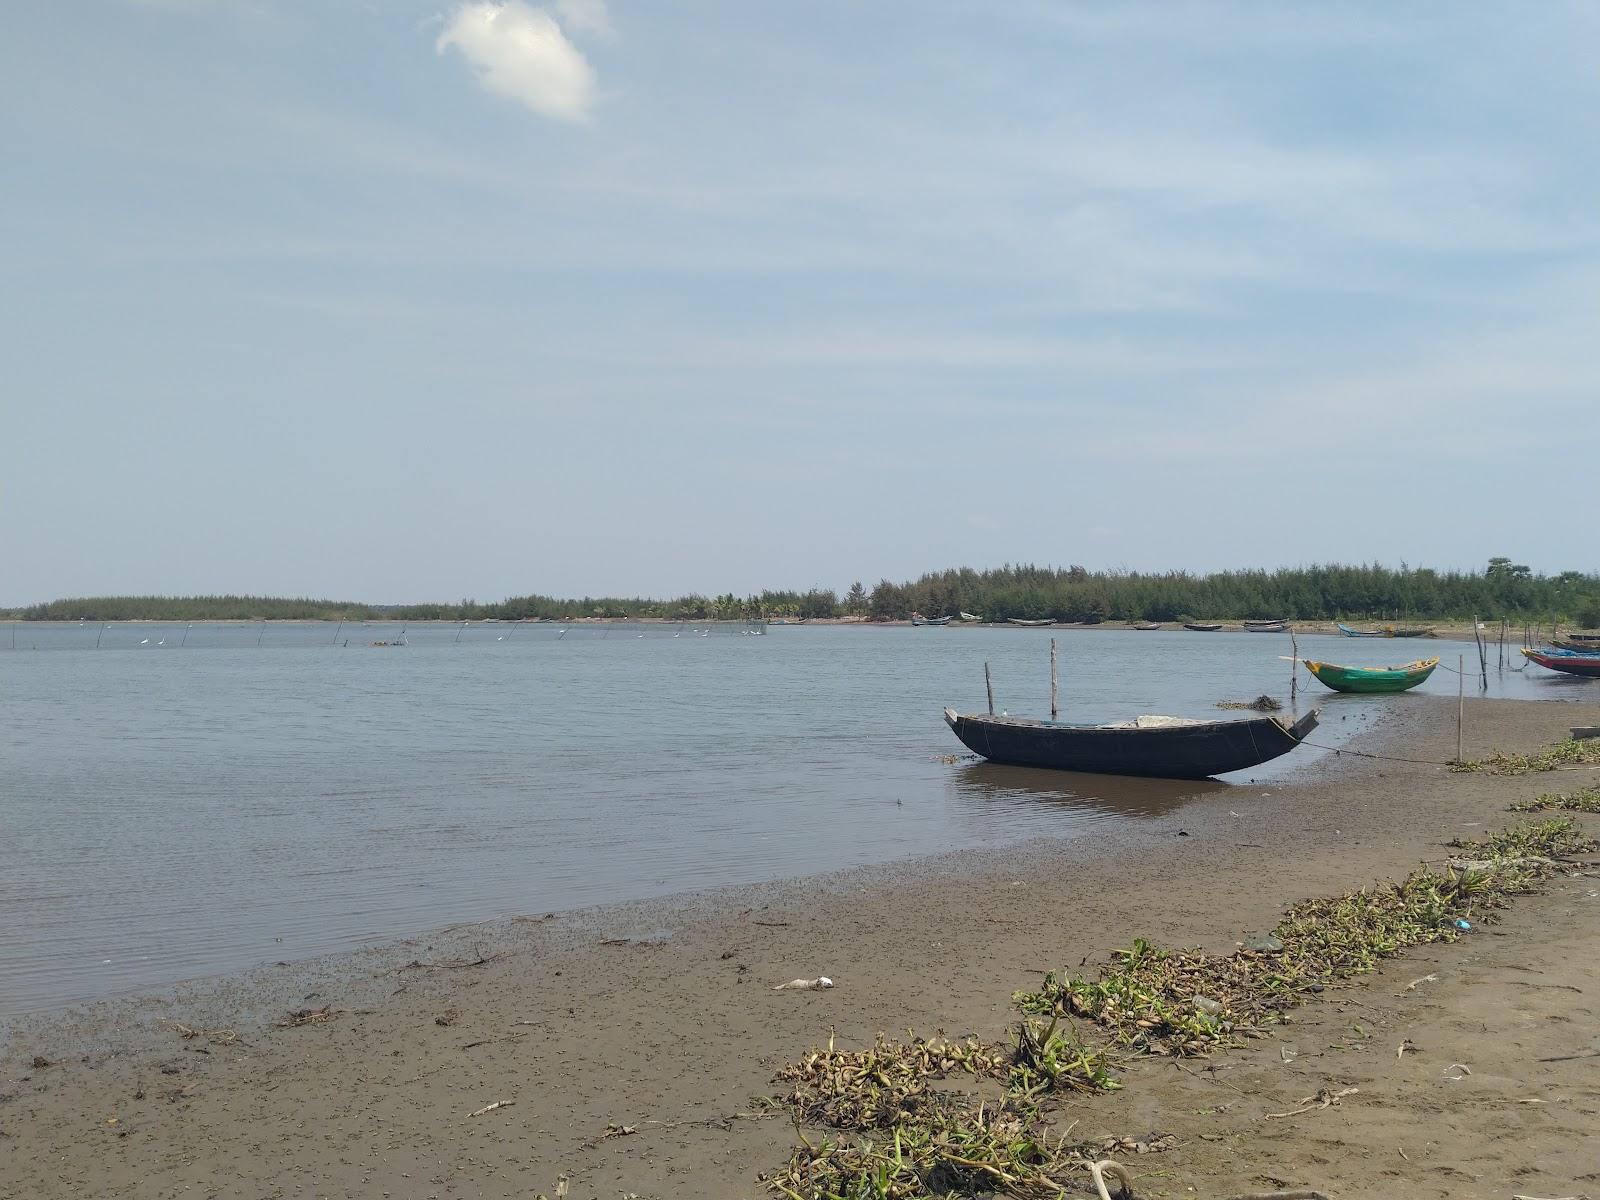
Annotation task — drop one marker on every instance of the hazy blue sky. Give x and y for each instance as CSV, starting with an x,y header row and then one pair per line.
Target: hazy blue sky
x,y
397,300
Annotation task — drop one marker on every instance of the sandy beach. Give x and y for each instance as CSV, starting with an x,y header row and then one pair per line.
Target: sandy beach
x,y
623,1046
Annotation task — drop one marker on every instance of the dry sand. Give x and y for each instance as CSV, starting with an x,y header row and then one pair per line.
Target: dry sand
x,y
673,1028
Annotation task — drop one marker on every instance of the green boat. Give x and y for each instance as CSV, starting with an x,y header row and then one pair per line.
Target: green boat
x,y
1372,679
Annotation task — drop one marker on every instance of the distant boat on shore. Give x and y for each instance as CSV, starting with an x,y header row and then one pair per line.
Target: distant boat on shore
x,y
1388,631
1028,623
1348,632
1266,627
1568,662
1148,625
966,616
920,620
1372,679
1159,747
1202,626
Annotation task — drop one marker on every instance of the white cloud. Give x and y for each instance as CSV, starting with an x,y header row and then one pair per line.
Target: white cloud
x,y
521,53
585,16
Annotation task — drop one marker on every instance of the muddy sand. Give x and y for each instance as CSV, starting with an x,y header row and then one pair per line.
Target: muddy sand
x,y
660,1018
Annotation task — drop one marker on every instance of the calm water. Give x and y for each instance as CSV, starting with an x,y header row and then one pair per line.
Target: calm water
x,y
169,811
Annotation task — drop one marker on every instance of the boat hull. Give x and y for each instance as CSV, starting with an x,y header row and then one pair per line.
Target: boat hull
x,y
1201,626
1195,750
1587,665
1372,679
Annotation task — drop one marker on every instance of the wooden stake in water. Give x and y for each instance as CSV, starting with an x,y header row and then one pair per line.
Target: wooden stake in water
x,y
1483,654
261,635
1054,707
185,640
337,630
1294,667
460,631
1461,700
102,634
988,686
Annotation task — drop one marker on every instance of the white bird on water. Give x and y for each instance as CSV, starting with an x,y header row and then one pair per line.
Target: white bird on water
x,y
146,642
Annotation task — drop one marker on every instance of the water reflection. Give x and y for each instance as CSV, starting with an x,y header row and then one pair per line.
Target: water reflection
x,y
1034,793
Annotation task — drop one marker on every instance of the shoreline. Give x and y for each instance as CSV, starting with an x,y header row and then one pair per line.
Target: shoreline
x,y
1443,630
673,1035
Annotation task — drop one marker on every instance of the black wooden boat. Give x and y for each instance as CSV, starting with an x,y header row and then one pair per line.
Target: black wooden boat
x,y
1163,747
1202,626
921,620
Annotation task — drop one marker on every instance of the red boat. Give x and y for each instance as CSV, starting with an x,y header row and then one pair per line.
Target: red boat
x,y
1570,663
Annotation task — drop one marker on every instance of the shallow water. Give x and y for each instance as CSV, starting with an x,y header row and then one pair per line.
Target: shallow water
x,y
182,801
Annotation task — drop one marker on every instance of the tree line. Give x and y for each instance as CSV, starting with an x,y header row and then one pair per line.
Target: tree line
x,y
1502,589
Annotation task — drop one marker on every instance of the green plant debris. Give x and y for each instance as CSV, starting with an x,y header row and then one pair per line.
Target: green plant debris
x,y
1551,838
997,1148
887,1083
1573,752
898,1138
1587,800
1185,1002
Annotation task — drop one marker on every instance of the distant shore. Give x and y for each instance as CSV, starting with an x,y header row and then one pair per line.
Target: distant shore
x,y
619,1049
1451,630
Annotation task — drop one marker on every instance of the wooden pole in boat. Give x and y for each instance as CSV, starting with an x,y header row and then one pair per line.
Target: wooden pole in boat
x,y
1054,707
988,685
1294,667
1461,700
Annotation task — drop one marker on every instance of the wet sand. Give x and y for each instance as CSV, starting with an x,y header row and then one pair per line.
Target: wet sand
x,y
660,1017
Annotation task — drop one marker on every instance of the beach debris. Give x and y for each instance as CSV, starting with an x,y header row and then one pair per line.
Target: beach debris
x,y
812,985
1571,1057
1406,1044
1154,1144
489,1108
1571,753
1262,703
1099,1171
1412,986
448,1017
1325,1098
482,960
1145,997
308,1016
1586,800
1263,943
40,1062
1462,1067
217,1037
899,1131
1291,1194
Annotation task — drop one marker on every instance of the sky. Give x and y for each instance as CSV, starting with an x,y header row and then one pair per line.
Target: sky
x,y
400,300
